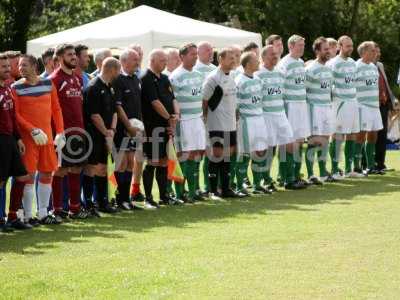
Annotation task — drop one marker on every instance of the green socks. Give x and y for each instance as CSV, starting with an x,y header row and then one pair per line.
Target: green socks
x,y
297,163
357,155
348,155
257,168
232,170
370,153
310,154
322,155
283,169
205,174
289,168
334,151
198,174
242,165
191,177
180,187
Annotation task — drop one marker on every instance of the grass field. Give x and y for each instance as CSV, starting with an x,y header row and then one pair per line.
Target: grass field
x,y
338,241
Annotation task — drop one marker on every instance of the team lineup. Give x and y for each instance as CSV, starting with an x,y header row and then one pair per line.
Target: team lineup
x,y
57,130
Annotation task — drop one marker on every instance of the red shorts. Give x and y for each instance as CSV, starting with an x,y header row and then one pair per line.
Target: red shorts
x,y
39,158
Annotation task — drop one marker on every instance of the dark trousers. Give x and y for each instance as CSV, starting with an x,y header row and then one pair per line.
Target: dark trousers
x,y
380,147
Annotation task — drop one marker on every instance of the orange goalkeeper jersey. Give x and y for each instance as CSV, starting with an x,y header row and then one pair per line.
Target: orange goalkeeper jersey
x,y
36,106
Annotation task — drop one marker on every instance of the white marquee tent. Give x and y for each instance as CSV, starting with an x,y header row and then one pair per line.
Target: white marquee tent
x,y
147,26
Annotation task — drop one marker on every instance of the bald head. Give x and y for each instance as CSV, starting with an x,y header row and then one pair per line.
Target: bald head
x,y
158,60
205,52
110,69
173,59
129,61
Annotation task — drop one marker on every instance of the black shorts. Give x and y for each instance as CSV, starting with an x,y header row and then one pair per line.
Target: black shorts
x,y
124,142
99,153
10,158
155,146
76,151
222,139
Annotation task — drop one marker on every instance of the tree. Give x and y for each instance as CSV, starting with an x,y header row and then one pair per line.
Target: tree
x,y
15,16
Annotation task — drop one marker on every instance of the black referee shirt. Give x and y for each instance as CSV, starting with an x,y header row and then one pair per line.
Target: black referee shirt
x,y
128,95
156,88
99,98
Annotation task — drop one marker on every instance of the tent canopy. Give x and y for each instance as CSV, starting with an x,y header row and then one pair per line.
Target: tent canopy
x,y
147,26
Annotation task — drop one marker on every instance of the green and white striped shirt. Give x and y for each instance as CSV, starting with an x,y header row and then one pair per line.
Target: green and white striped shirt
x,y
319,80
344,75
367,84
187,87
294,74
249,95
272,92
203,68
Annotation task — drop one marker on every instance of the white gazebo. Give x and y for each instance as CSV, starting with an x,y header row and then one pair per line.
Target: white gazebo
x,y
147,26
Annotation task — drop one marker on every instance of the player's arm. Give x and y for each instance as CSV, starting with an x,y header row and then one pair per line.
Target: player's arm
x,y
22,123
16,134
56,112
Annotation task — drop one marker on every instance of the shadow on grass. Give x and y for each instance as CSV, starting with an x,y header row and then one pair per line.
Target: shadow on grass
x,y
38,241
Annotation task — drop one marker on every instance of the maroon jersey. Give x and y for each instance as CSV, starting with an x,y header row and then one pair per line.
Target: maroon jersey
x,y
8,124
69,90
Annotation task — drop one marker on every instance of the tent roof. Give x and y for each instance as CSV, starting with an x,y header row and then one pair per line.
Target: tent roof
x,y
146,26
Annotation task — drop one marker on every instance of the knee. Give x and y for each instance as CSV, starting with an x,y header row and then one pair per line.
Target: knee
x,y
45,178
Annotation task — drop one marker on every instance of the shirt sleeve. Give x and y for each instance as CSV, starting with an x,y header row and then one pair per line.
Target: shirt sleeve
x,y
56,111
209,86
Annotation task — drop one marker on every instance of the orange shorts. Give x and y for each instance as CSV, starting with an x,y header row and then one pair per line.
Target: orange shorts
x,y
39,158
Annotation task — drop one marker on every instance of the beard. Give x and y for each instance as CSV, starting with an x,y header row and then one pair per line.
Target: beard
x,y
69,65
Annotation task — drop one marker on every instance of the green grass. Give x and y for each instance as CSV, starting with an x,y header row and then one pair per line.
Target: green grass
x,y
338,241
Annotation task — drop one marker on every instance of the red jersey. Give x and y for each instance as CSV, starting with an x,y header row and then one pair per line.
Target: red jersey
x,y
69,91
8,124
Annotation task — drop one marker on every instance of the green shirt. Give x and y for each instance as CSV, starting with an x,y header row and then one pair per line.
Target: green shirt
x,y
272,92
249,95
318,84
187,87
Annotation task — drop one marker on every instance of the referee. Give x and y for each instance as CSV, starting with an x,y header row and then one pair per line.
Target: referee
x,y
101,122
128,104
160,114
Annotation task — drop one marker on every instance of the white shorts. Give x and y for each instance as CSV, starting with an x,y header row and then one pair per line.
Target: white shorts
x,y
299,119
347,117
278,129
190,135
252,134
321,119
370,118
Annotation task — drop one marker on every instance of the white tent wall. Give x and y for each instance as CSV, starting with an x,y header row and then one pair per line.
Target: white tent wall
x,y
150,27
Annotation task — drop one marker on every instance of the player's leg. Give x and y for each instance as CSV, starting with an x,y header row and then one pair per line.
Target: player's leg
x,y
43,195
121,166
136,194
372,137
259,168
58,192
322,155
358,149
